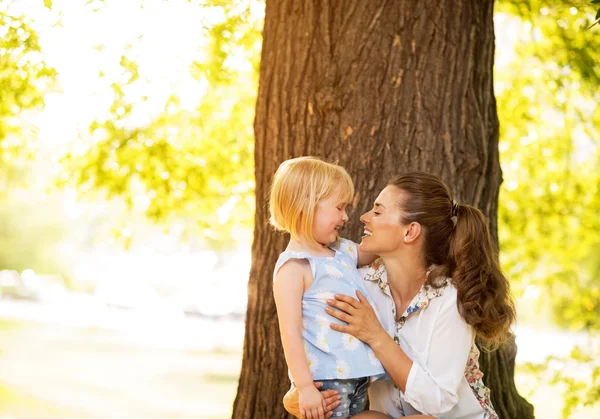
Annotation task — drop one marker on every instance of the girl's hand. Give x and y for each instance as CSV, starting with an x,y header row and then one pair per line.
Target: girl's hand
x,y
312,404
292,404
360,316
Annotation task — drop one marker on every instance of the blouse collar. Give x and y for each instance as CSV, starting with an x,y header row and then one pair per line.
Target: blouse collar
x,y
376,272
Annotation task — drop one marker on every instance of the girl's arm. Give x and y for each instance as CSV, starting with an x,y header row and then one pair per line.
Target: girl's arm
x,y
365,258
362,258
288,288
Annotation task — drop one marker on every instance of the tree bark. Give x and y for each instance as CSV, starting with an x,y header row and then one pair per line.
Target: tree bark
x,y
382,87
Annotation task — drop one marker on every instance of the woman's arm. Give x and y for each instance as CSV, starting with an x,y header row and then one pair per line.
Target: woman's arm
x,y
433,382
288,288
363,324
431,388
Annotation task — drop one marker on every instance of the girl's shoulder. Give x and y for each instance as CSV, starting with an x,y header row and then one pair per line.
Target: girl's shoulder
x,y
348,248
294,261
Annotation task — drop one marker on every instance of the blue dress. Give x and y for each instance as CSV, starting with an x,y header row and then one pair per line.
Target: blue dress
x,y
332,354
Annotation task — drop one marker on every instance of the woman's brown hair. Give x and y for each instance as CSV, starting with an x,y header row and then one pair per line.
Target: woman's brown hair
x,y
457,241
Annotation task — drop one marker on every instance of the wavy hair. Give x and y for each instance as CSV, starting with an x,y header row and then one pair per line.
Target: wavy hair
x,y
457,242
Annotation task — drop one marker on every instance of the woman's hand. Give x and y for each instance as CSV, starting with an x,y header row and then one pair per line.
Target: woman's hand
x,y
360,316
291,401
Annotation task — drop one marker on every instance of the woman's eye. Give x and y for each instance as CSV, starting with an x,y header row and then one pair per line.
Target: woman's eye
x,y
376,213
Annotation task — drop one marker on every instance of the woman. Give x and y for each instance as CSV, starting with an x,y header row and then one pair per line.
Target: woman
x,y
437,286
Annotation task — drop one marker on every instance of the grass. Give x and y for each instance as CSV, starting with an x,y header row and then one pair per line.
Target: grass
x,y
216,386
10,324
17,405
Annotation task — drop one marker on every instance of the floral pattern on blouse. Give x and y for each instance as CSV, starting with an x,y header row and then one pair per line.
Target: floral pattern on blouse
x,y
474,377
473,374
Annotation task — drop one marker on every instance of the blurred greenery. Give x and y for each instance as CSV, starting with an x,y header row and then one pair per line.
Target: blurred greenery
x,y
597,17
547,104
190,164
550,200
24,79
577,375
15,402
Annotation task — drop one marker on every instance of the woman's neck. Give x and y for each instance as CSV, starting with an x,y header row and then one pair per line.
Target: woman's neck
x,y
406,276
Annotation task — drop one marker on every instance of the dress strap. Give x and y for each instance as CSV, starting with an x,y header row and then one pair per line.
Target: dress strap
x,y
287,255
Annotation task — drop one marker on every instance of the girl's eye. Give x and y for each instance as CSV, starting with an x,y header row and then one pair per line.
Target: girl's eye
x,y
376,213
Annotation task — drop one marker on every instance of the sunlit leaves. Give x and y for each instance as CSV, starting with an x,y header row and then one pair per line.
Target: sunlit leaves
x,y
549,153
24,78
549,203
597,17
196,163
567,372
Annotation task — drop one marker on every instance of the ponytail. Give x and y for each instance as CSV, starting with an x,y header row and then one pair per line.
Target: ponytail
x,y
458,245
484,299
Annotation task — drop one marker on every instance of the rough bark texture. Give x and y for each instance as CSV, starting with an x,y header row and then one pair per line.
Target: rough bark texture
x,y
381,87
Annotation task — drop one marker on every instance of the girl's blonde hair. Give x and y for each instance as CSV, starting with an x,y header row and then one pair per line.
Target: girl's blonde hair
x,y
297,186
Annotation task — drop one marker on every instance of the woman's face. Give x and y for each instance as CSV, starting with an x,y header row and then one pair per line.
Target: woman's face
x,y
384,231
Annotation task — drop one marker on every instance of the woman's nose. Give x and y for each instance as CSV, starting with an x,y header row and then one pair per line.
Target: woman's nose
x,y
363,218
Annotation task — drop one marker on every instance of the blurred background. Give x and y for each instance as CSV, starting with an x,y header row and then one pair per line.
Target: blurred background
x,y
126,202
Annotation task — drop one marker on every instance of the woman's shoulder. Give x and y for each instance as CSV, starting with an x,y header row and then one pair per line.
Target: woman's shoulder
x,y
442,292
442,285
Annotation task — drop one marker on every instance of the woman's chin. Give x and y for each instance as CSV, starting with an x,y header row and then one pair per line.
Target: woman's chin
x,y
364,246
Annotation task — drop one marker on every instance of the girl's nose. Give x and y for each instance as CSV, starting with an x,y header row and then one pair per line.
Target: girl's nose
x,y
345,216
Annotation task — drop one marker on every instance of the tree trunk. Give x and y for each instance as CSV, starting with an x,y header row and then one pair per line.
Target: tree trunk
x,y
382,87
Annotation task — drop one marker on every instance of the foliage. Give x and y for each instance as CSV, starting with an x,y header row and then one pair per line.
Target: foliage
x,y
597,17
30,230
195,164
24,78
549,152
567,372
547,102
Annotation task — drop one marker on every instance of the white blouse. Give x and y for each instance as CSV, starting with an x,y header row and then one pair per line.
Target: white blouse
x,y
444,380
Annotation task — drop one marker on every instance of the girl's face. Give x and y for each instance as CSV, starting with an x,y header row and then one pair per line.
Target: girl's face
x,y
330,216
384,231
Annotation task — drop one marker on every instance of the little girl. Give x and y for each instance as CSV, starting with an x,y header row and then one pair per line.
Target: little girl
x,y
308,200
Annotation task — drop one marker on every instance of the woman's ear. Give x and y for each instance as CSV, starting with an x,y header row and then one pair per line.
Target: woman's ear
x,y
412,233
